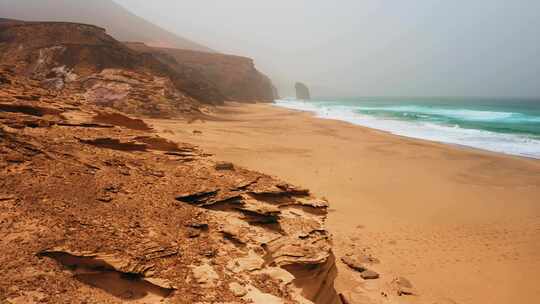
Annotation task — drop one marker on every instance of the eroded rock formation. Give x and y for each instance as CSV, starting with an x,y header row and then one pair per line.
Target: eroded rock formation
x,y
235,77
302,91
68,54
82,56
95,208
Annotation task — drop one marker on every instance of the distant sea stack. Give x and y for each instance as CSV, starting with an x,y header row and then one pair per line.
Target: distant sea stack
x,y
302,91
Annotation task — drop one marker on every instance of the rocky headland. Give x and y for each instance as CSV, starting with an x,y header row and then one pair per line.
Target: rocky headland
x,y
235,77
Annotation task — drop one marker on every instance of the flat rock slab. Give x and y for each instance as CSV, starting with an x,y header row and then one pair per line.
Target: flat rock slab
x,y
353,263
369,275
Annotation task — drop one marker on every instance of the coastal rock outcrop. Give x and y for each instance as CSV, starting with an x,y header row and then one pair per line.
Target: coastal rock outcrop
x,y
235,77
72,55
96,208
66,55
302,91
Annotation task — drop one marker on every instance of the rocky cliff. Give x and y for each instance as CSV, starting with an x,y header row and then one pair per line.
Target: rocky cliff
x,y
235,77
96,208
70,54
85,56
302,91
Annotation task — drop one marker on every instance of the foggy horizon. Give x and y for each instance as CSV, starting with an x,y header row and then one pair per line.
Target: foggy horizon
x,y
371,48
424,48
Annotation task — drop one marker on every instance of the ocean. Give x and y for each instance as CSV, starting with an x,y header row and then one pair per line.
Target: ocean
x,y
504,125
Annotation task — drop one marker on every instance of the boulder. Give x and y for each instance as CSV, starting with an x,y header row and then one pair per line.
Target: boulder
x,y
369,275
353,263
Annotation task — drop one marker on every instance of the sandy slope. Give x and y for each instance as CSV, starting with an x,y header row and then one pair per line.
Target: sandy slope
x,y
462,225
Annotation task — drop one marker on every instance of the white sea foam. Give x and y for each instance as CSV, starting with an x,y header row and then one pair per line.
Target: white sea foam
x,y
464,114
513,144
452,113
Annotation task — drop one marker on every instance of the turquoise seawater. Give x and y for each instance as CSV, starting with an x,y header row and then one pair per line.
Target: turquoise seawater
x,y
506,125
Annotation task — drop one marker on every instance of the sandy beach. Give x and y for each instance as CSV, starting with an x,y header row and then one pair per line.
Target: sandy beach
x,y
462,225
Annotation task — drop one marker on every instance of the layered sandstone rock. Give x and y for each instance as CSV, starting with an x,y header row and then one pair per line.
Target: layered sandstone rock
x,y
95,208
68,53
61,54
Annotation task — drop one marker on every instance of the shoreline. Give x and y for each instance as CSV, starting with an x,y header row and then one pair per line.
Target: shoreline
x,y
458,146
429,211
315,115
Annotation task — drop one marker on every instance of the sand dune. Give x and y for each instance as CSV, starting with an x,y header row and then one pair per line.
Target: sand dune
x,y
462,225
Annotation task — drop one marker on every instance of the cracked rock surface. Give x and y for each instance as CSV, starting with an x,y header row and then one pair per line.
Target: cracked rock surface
x,y
95,208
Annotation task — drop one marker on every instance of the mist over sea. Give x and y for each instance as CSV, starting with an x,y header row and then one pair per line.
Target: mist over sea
x,y
505,125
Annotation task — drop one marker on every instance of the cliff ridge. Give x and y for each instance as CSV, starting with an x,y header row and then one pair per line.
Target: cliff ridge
x,y
235,77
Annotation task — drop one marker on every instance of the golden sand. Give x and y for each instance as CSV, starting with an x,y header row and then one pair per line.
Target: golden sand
x,y
462,225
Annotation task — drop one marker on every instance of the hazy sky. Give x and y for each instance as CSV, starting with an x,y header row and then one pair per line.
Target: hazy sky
x,y
371,47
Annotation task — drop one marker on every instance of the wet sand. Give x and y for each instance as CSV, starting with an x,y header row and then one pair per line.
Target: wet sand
x,y
462,225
